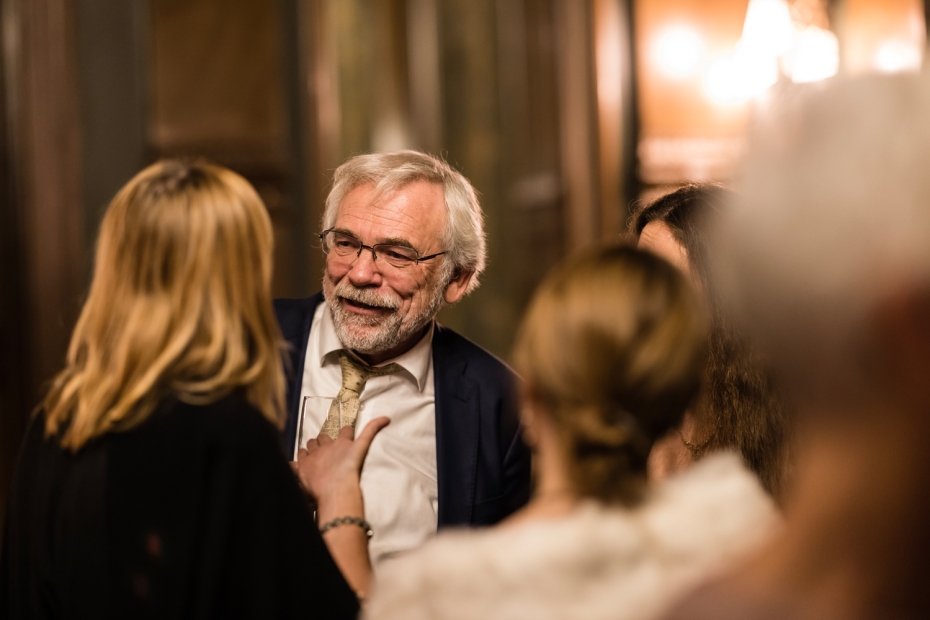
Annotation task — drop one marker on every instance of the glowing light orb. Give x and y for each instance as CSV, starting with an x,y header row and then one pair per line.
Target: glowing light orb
x,y
816,55
678,51
896,55
742,75
768,29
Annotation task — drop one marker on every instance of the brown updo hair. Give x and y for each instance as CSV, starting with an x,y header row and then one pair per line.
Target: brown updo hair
x,y
612,347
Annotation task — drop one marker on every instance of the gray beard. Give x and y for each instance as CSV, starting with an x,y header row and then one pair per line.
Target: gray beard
x,y
389,331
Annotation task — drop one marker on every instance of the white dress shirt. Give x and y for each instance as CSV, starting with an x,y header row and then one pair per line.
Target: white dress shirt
x,y
399,476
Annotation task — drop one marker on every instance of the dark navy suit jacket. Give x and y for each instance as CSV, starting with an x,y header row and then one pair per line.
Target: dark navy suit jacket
x,y
483,465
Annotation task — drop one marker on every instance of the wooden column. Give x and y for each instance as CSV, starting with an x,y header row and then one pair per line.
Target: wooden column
x,y
578,122
616,114
41,152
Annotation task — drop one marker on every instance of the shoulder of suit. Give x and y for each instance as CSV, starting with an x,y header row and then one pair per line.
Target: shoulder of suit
x,y
448,342
293,314
292,306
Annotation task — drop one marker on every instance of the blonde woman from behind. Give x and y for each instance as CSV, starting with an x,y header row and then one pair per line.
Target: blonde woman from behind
x,y
611,351
151,482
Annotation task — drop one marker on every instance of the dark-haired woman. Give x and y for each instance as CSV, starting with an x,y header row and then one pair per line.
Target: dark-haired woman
x,y
738,407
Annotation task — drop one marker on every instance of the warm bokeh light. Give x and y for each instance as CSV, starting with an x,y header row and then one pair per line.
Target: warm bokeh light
x,y
814,56
887,36
770,39
741,75
768,30
894,55
678,51
705,66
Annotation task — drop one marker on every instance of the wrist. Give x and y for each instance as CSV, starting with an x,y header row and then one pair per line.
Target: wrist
x,y
340,504
348,521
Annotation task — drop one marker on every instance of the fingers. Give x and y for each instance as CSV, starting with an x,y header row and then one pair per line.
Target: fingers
x,y
348,432
312,445
364,439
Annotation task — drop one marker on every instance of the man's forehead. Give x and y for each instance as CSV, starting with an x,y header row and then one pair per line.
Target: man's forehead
x,y
414,210
379,193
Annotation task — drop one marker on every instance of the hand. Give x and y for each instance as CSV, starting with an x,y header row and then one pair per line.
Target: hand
x,y
330,468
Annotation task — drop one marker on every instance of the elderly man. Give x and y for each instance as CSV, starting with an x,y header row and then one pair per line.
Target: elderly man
x,y
403,235
827,258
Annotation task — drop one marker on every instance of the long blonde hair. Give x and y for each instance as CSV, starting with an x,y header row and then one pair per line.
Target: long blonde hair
x,y
612,346
180,305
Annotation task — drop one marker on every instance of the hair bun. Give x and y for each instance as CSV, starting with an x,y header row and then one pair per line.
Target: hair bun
x,y
609,426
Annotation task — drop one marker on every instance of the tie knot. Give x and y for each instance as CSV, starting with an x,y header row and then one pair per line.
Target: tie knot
x,y
355,372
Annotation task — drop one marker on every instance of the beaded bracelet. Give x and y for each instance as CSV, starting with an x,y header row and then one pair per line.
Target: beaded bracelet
x,y
362,523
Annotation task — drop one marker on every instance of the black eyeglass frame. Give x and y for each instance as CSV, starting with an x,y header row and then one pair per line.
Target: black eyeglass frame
x,y
374,252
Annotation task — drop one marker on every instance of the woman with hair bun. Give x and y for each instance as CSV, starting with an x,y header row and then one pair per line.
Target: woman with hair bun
x,y
611,351
151,482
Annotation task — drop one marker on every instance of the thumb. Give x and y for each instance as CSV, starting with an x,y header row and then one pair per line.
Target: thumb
x,y
364,439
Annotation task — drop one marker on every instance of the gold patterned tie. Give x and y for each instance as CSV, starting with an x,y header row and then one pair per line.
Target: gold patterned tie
x,y
344,409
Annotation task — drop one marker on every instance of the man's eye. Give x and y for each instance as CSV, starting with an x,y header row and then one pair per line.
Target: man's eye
x,y
395,254
344,243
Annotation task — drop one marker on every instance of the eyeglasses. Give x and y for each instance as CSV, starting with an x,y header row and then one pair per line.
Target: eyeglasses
x,y
343,245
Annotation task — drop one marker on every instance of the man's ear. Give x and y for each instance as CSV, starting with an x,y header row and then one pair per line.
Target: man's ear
x,y
456,288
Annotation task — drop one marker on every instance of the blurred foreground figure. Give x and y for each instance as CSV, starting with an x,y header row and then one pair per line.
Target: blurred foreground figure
x,y
611,350
738,408
827,258
152,482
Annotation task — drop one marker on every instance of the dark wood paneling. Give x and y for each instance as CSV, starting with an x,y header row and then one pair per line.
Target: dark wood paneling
x,y
13,395
578,122
217,80
472,143
112,49
224,85
531,238
42,156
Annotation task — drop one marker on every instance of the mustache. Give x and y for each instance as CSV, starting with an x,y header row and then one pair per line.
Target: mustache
x,y
366,296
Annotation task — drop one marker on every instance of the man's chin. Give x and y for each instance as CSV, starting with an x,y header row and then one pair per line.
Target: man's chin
x,y
366,341
365,333
362,323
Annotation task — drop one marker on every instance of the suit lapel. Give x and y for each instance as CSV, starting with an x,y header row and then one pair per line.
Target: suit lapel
x,y
457,430
296,332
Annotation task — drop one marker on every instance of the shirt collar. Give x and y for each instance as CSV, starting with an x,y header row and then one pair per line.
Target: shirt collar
x,y
416,362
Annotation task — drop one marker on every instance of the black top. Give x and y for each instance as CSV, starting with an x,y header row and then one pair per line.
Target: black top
x,y
195,513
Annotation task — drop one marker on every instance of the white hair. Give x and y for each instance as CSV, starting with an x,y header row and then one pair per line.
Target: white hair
x,y
463,238
833,215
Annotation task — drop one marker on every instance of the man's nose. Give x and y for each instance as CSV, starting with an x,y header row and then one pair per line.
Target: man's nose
x,y
364,270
